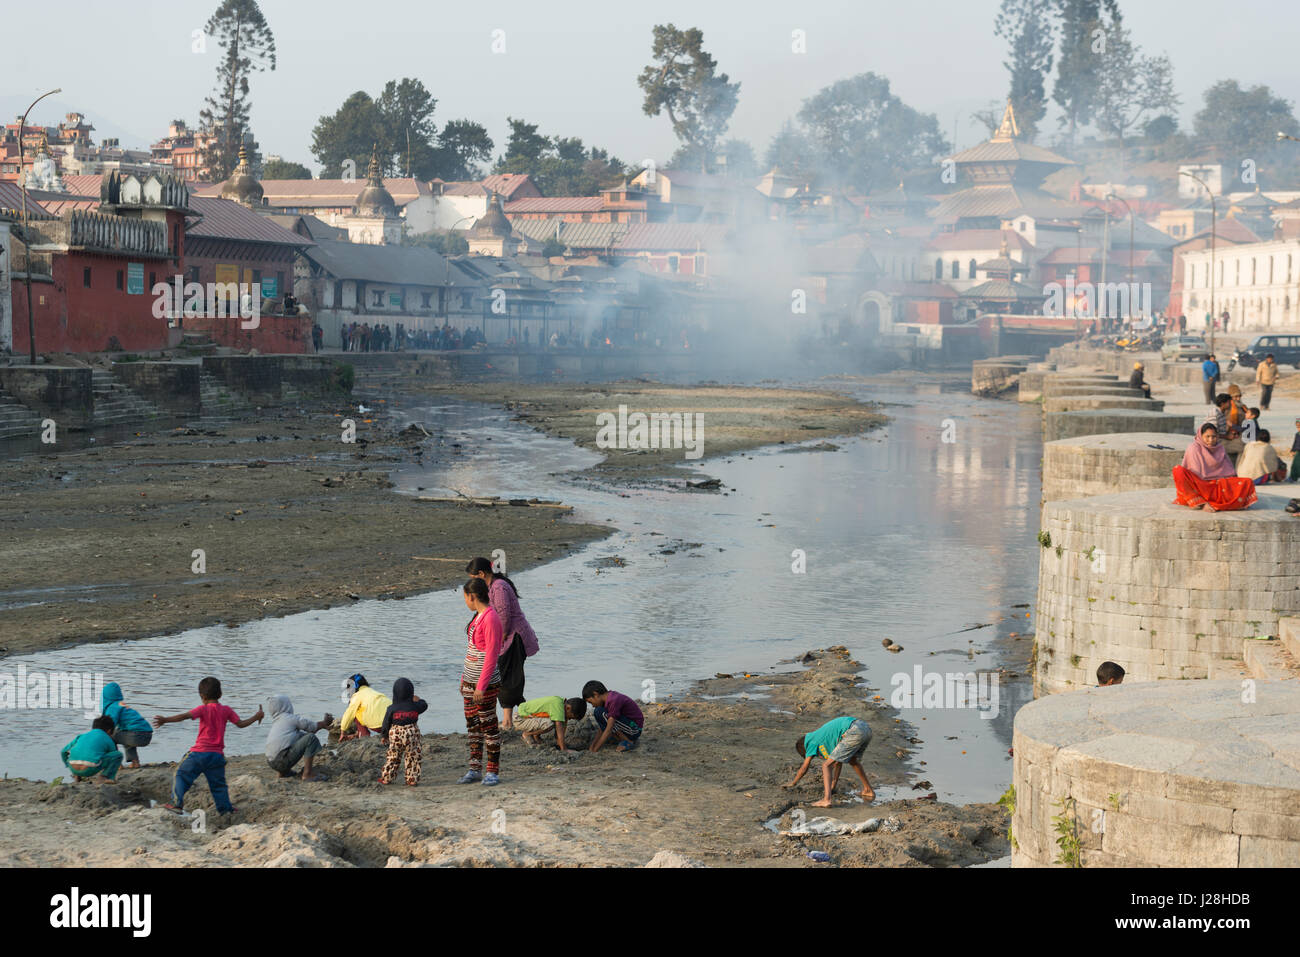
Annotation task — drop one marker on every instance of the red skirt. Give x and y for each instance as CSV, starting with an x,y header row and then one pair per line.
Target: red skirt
x,y
1222,494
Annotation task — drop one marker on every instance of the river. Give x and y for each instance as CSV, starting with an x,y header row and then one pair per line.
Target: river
x,y
916,533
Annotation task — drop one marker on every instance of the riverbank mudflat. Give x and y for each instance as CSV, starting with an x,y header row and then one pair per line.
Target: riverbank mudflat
x,y
102,543
706,778
733,418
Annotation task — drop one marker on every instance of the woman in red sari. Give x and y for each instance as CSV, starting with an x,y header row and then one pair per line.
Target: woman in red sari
x,y
1207,479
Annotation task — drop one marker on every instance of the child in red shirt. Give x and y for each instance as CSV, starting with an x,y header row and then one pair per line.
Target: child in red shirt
x,y
207,757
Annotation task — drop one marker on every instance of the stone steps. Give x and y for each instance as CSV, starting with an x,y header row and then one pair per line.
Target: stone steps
x,y
115,404
16,420
1270,661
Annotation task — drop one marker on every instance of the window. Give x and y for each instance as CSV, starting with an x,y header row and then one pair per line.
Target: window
x,y
426,300
971,270
938,269
279,284
194,274
956,269
176,237
674,263
377,297
257,275
85,277
121,279
153,281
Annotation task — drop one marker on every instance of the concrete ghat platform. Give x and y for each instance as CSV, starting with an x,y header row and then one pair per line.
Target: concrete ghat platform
x,y
1105,464
990,377
1068,425
1078,403
1033,381
1160,775
1165,591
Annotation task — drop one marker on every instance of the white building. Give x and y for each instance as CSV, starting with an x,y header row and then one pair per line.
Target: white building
x,y
1257,283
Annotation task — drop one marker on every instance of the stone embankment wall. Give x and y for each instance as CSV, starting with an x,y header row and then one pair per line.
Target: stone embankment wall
x,y
1165,591
1159,775
1105,464
1068,425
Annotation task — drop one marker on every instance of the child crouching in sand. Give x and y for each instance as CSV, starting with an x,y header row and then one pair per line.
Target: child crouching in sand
x,y
292,738
839,741
616,715
543,716
94,752
402,733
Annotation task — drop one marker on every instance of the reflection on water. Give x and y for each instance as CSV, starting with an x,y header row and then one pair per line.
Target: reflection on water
x,y
906,537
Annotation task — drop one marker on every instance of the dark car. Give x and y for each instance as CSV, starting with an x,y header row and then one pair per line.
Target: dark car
x,y
1285,350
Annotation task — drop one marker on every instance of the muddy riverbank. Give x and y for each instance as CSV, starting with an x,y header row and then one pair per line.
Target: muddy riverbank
x,y
701,787
99,542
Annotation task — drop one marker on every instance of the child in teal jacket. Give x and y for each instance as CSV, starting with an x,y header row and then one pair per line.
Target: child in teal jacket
x,y
132,729
94,752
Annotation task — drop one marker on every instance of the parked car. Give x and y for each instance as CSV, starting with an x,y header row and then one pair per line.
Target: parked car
x,y
1186,347
1285,350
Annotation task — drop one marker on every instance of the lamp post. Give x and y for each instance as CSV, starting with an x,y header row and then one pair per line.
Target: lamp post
x,y
1131,227
27,242
1214,213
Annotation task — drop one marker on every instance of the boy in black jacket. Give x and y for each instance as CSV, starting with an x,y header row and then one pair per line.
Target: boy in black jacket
x,y
401,733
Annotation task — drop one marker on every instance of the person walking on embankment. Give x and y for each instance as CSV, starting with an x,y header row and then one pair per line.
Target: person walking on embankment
x,y
1210,378
1266,377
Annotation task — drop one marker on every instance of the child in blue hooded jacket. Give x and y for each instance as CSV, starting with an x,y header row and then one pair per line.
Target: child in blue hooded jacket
x,y
94,752
132,729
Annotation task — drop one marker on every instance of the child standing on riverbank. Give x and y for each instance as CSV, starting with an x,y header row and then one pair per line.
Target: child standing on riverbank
x,y
208,755
839,741
402,733
94,752
616,714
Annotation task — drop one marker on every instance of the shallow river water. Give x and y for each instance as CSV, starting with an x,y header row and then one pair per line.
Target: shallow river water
x,y
905,536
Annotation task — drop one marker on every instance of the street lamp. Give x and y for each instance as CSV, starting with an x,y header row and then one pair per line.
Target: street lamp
x,y
1131,226
27,240
1214,212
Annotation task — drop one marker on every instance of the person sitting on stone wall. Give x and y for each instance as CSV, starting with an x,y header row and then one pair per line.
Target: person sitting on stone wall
x,y
1207,478
1137,381
1259,461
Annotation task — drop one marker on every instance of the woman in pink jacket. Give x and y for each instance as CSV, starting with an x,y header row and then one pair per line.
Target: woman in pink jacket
x,y
504,599
480,681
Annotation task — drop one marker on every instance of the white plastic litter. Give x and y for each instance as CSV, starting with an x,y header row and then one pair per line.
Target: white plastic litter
x,y
820,826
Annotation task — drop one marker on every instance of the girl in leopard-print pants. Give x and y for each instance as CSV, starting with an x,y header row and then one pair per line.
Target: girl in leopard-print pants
x,y
403,741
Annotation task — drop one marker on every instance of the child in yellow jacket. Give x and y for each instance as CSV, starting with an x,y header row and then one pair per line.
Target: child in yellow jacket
x,y
365,705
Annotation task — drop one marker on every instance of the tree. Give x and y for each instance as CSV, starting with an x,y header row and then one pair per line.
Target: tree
x,y
1078,68
1160,129
863,135
462,146
792,153
342,143
1133,88
553,247
683,82
560,166
735,158
407,130
283,169
400,124
449,242
248,47
1243,122
1027,25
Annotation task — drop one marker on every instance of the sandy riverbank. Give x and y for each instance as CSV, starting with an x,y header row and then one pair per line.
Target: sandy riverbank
x,y
708,774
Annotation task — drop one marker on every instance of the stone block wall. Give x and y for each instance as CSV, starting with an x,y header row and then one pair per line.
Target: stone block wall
x,y
1159,775
1166,591
169,385
257,378
62,393
1068,425
1106,464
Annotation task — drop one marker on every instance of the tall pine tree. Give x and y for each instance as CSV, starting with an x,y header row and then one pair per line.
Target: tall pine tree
x,y
1028,27
1078,69
247,47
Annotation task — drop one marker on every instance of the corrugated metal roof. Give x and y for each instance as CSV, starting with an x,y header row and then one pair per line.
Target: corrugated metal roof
x,y
83,184
399,265
978,239
554,204
1003,289
325,192
225,219
507,184
11,197
672,236
1004,151
1002,200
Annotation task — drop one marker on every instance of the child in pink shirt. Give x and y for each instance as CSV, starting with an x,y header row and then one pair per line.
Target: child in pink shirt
x,y
207,757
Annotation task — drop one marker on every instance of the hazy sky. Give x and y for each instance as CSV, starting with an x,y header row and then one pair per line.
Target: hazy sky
x,y
571,65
